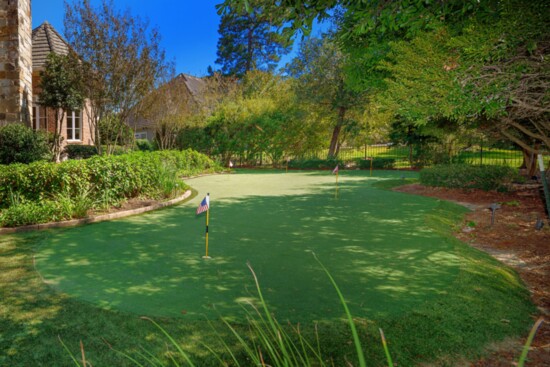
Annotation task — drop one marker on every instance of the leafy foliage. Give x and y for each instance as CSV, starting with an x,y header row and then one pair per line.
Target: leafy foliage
x,y
76,151
259,117
470,177
20,144
43,190
122,57
62,89
249,41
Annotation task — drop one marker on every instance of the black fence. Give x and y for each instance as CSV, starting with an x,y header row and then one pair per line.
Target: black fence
x,y
402,156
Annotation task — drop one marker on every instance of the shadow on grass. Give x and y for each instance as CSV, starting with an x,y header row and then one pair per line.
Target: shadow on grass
x,y
430,294
381,251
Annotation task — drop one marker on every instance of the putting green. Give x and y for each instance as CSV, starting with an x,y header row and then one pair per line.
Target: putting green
x,y
379,246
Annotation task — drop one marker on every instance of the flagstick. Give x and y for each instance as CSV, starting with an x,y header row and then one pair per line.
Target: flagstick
x,y
206,237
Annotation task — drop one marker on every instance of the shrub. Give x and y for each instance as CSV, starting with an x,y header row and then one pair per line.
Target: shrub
x,y
80,151
21,144
144,145
463,176
378,163
314,163
44,191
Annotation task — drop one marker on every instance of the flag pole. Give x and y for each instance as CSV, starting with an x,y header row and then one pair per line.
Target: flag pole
x,y
206,231
206,237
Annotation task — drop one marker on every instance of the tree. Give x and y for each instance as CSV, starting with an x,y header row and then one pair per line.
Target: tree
x,y
319,69
123,58
248,41
490,75
62,89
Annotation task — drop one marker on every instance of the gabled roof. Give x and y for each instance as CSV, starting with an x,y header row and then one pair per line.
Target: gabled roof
x,y
45,40
194,85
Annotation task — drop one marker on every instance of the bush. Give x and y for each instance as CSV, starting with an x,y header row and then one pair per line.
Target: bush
x,y
464,176
314,163
21,144
144,145
75,186
377,163
80,151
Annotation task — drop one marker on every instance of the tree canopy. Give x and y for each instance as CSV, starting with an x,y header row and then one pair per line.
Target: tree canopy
x,y
249,41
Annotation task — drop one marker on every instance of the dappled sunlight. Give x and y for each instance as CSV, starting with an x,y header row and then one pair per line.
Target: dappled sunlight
x,y
376,244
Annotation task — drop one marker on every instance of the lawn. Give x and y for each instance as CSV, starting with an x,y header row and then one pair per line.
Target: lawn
x,y
392,254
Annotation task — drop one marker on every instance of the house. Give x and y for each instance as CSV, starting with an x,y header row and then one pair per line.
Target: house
x,y
182,95
23,54
75,127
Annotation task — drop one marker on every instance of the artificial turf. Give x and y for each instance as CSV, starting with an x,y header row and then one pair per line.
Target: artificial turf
x,y
392,255
377,244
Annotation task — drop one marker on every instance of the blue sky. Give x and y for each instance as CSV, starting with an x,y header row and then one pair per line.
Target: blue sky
x,y
189,28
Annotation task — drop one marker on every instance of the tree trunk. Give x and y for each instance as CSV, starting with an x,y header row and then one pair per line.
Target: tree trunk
x,y
530,161
332,151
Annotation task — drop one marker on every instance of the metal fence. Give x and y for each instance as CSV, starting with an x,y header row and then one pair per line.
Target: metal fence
x,y
403,156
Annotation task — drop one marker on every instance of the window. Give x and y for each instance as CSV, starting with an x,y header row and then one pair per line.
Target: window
x,y
141,135
39,118
73,125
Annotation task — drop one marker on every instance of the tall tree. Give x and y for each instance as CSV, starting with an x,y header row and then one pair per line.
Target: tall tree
x,y
123,57
319,69
62,89
249,40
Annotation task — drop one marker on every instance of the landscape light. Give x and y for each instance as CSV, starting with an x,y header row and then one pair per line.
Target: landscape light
x,y
494,207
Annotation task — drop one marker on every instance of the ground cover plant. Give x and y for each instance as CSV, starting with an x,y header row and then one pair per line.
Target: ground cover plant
x,y
391,254
42,191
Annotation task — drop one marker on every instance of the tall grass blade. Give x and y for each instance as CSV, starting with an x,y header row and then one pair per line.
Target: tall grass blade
x,y
174,343
386,350
356,340
523,357
266,309
69,352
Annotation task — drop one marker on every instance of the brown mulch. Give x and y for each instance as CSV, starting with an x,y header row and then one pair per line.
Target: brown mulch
x,y
513,240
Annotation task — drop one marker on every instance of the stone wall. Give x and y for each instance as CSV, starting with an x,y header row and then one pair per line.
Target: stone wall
x,y
15,61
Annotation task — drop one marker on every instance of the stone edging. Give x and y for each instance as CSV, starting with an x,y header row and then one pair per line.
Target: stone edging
x,y
97,218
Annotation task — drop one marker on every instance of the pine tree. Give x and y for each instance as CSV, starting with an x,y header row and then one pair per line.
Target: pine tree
x,y
249,41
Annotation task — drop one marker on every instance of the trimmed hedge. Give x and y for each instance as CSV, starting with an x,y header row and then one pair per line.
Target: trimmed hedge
x,y
464,176
100,180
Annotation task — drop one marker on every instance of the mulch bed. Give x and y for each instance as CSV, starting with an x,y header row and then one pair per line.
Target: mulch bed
x,y
514,240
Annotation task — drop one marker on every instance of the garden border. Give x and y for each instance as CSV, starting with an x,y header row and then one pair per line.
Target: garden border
x,y
97,218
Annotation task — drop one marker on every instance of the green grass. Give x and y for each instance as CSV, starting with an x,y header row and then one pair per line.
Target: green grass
x,y
391,255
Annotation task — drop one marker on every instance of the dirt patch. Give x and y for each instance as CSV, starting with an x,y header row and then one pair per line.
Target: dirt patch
x,y
513,239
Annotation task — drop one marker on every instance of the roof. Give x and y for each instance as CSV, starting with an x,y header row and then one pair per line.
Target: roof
x,y
45,40
194,85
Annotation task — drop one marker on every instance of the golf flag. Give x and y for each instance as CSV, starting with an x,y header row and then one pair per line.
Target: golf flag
x,y
335,171
205,205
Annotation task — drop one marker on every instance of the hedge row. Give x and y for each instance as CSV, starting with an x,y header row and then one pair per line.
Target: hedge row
x,y
460,176
123,176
